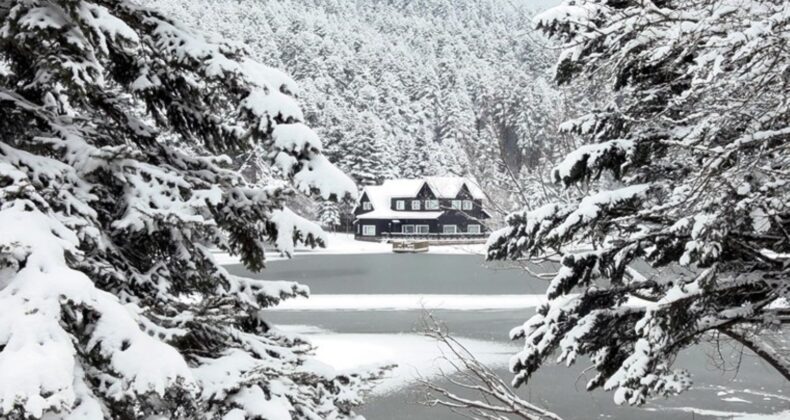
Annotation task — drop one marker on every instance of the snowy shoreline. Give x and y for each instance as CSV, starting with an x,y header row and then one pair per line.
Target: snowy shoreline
x,y
345,244
409,302
417,357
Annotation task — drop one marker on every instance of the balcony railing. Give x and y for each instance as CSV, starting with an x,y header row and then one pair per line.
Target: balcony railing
x,y
447,236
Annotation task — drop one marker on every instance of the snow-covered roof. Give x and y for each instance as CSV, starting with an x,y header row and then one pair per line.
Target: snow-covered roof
x,y
379,196
400,187
394,214
442,187
449,186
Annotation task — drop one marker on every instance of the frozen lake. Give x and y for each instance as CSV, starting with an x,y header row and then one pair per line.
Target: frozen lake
x,y
480,303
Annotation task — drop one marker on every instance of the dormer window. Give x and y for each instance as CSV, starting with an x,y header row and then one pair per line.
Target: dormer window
x,y
366,205
415,204
455,204
467,204
431,204
400,205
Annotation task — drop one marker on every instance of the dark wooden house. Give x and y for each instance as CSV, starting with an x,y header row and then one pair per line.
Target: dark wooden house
x,y
430,208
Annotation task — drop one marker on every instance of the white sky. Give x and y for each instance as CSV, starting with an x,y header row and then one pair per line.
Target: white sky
x,y
544,4
539,4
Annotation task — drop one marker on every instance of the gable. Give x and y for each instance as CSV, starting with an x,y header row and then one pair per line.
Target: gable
x,y
451,186
364,198
426,192
463,193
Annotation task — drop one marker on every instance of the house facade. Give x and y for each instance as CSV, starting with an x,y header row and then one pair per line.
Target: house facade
x,y
432,208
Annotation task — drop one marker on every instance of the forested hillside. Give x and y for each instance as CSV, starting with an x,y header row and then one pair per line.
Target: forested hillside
x,y
407,88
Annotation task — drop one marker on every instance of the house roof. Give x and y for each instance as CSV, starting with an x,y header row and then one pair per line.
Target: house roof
x,y
394,214
379,196
400,187
442,187
449,186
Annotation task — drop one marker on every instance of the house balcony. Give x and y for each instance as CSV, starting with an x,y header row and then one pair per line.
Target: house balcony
x,y
460,238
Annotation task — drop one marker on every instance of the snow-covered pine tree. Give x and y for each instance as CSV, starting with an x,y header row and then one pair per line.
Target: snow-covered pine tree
x,y
329,215
696,152
362,148
413,53
112,304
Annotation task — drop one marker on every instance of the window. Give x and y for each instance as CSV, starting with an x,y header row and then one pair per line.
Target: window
x,y
432,204
450,229
420,229
415,204
467,204
367,206
456,204
473,229
400,205
368,230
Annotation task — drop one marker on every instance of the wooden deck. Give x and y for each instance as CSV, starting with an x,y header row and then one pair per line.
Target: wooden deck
x,y
409,246
439,238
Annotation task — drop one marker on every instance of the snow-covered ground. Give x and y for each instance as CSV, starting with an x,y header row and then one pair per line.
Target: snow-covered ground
x,y
344,243
417,357
728,415
412,302
409,302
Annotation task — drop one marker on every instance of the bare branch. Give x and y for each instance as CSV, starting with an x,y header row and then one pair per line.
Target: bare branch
x,y
493,398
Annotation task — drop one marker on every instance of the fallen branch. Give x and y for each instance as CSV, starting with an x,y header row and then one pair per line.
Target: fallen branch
x,y
492,397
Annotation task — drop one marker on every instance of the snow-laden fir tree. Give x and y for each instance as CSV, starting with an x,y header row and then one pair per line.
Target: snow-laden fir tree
x,y
362,146
111,304
329,215
687,170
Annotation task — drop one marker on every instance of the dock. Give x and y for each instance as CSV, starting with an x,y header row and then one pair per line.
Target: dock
x,y
411,247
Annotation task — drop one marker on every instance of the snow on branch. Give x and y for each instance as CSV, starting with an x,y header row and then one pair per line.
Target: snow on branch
x,y
531,232
267,109
590,160
526,231
109,215
292,229
698,115
593,207
37,358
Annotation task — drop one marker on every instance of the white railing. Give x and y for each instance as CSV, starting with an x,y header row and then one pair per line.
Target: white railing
x,y
457,235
